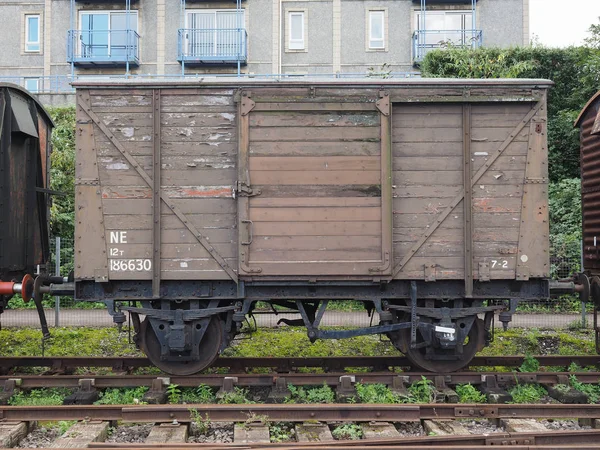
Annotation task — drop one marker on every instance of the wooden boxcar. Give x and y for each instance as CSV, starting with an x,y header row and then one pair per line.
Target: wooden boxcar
x,y
422,198
25,145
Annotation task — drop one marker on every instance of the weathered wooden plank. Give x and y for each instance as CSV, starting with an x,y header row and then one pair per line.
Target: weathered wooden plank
x,y
480,220
456,249
317,228
498,134
180,269
199,99
312,163
429,163
127,177
258,256
434,109
128,135
492,234
181,236
187,91
184,192
427,120
453,178
169,222
303,202
314,134
178,250
502,109
121,100
320,243
171,162
479,191
119,119
313,106
188,206
323,177
11,433
168,433
437,205
416,134
312,191
427,149
314,214
311,119
513,149
198,119
175,108
81,434
322,149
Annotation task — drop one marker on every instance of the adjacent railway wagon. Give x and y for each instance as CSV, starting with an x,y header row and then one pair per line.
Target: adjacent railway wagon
x,y
25,130
420,198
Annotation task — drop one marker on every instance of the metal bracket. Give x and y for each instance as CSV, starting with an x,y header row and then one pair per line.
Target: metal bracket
x,y
529,440
383,104
247,104
522,273
483,411
243,190
430,272
484,271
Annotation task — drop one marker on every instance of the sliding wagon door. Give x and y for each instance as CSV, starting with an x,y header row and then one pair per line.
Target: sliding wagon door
x,y
315,188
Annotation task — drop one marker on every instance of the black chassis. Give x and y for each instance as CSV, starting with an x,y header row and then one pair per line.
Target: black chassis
x,y
232,302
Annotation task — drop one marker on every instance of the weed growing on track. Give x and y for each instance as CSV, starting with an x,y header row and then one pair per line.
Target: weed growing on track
x,y
317,394
122,396
591,390
377,393
201,394
530,364
527,393
347,432
39,397
467,393
239,396
202,423
282,432
173,393
422,391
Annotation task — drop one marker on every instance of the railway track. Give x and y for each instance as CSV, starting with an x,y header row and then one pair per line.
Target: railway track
x,y
66,364
252,425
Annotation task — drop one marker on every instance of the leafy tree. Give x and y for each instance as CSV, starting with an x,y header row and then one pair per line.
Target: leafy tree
x,y
62,172
594,39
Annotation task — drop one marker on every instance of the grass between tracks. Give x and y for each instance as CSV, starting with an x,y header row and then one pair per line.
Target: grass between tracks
x,y
282,342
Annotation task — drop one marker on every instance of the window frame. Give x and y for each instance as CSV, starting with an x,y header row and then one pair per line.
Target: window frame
x,y
37,84
133,12
296,45
189,11
370,39
39,33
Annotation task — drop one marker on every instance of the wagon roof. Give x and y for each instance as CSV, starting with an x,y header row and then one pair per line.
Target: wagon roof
x,y
585,108
341,82
25,92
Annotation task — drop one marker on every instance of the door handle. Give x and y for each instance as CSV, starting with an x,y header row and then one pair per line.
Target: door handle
x,y
250,225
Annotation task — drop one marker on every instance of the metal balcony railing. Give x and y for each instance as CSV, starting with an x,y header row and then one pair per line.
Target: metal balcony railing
x,y
427,40
217,46
103,47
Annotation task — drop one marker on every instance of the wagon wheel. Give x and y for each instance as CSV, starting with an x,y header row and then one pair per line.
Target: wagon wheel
x,y
209,349
417,355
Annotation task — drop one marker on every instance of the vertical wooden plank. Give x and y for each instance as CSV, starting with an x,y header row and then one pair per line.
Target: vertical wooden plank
x,y
243,181
386,185
156,202
467,201
90,239
533,260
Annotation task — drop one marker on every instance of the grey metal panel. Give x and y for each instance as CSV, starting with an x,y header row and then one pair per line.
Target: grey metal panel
x,y
22,119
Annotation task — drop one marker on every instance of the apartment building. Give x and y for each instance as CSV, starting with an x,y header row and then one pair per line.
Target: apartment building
x,y
48,42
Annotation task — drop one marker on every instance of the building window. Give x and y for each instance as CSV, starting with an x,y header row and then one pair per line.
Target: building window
x,y
106,34
445,27
32,84
32,33
215,33
377,30
296,30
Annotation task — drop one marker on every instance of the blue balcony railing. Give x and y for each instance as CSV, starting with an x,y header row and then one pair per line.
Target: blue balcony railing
x,y
216,46
102,47
427,40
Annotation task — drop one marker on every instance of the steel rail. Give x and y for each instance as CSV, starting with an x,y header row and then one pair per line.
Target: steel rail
x,y
285,364
298,412
299,379
528,438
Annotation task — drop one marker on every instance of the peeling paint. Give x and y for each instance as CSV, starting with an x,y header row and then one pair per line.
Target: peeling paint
x,y
117,166
127,132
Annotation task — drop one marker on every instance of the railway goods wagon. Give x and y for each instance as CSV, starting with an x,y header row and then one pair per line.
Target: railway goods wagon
x,y
25,129
421,198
